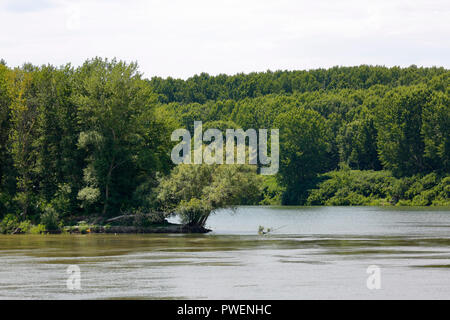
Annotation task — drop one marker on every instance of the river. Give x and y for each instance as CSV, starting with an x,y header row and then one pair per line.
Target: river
x,y
312,253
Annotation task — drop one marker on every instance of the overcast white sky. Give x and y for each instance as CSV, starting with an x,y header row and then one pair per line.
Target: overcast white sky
x,y
180,38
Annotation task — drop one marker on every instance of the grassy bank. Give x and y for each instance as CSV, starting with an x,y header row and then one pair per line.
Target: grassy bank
x,y
11,225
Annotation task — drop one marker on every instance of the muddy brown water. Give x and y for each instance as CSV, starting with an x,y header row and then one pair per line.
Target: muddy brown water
x,y
313,253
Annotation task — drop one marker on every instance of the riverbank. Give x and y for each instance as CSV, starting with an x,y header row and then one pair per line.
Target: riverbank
x,y
166,228
348,187
86,228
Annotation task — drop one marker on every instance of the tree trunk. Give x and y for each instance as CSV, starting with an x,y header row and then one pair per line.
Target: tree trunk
x,y
108,180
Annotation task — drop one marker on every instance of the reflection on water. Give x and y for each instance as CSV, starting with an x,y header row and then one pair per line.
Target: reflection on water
x,y
321,252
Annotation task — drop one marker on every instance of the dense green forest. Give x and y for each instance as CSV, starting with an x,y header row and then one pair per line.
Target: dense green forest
x,y
93,142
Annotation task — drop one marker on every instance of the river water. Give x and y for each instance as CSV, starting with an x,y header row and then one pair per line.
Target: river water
x,y
313,253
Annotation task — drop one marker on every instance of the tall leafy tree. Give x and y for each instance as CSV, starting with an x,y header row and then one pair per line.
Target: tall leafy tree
x,y
357,142
302,152
5,124
436,131
194,192
23,137
59,162
114,112
399,123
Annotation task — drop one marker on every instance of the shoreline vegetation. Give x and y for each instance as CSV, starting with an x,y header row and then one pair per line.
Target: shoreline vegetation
x,y
87,149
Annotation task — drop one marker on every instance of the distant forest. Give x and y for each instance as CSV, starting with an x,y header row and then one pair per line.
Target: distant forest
x,y
94,141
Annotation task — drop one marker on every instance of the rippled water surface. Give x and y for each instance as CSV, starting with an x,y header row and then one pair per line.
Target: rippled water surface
x,y
313,253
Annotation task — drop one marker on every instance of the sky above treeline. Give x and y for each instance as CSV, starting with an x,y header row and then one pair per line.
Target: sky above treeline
x,y
180,38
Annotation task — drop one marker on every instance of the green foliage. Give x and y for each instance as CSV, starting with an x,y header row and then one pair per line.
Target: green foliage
x,y
351,187
61,201
94,141
119,132
303,154
23,134
50,219
272,191
203,87
357,142
5,203
83,227
436,131
88,196
39,229
5,124
354,187
399,124
195,191
9,223
420,190
194,212
25,226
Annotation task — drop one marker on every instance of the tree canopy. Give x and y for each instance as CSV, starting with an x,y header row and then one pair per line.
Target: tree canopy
x,y
94,141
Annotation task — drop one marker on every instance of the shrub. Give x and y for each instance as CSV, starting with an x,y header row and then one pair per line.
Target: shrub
x,y
351,187
50,219
354,187
9,223
272,191
195,191
422,190
345,198
25,226
39,229
88,196
61,200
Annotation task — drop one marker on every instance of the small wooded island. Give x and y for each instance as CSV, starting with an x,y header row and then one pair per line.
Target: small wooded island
x,y
87,149
192,192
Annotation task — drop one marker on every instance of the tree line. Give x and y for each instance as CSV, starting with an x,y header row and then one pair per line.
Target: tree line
x,y
94,141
